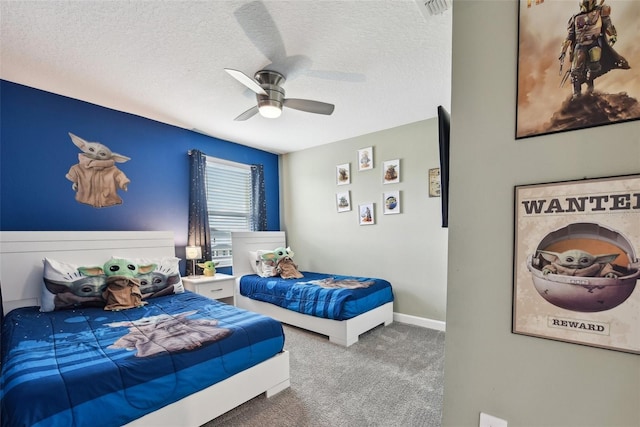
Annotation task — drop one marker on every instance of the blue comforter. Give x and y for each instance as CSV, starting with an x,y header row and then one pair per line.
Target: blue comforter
x,y
306,296
101,368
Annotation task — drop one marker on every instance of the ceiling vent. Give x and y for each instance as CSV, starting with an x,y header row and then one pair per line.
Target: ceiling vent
x,y
433,7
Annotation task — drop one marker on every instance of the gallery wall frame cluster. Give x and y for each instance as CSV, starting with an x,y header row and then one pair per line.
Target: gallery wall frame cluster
x,y
390,176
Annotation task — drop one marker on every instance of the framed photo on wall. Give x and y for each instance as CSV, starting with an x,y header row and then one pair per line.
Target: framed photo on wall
x,y
365,158
366,214
391,202
576,264
343,174
343,201
561,85
391,171
434,182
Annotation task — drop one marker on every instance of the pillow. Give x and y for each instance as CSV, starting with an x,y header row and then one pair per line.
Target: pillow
x,y
163,280
261,267
64,287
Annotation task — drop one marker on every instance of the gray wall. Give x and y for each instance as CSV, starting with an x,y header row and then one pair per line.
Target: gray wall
x,y
527,381
408,249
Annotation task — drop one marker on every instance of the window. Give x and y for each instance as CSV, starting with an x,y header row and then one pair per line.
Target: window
x,y
228,186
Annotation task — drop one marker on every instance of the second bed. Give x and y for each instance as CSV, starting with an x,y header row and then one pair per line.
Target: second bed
x,y
317,302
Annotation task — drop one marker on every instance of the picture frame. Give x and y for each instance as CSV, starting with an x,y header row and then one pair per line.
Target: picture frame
x,y
434,182
391,202
365,159
343,174
546,102
576,262
391,171
343,201
366,214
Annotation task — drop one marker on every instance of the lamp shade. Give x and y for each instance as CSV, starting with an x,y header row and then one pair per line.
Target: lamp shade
x,y
193,252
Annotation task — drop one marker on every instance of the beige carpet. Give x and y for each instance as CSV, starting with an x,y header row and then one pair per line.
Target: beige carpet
x,y
392,377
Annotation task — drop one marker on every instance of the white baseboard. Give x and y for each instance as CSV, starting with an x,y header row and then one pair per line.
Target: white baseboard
x,y
438,325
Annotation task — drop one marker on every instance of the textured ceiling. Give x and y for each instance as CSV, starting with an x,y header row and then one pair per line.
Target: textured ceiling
x,y
382,63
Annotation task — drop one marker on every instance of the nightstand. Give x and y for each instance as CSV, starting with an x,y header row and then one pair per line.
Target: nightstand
x,y
220,287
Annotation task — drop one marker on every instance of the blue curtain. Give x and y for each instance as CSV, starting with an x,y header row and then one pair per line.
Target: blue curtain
x,y
258,200
199,232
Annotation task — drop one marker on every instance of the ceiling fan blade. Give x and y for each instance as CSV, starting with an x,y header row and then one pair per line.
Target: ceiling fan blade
x,y
309,106
258,25
246,80
247,114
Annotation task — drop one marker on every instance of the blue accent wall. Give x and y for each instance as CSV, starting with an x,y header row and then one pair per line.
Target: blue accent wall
x,y
36,153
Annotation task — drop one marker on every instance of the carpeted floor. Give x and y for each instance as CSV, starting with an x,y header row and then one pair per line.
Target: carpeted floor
x,y
392,377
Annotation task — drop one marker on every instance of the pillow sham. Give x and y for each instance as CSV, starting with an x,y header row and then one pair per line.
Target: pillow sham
x,y
64,287
261,267
163,280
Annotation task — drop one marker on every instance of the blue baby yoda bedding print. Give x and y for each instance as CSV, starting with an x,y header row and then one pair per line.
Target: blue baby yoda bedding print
x,y
94,367
324,295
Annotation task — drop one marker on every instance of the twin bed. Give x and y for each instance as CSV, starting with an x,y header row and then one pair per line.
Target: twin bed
x,y
181,359
342,314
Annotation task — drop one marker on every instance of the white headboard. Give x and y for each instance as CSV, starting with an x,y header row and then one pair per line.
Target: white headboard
x,y
244,241
22,252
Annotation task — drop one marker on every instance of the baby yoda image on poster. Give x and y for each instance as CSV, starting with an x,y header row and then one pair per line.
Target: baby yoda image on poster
x,y
96,178
576,261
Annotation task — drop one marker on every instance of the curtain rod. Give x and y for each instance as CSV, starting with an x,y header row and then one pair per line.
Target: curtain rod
x,y
224,161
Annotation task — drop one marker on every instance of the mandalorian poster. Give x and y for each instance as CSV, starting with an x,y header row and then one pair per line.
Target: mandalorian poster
x,y
578,65
576,262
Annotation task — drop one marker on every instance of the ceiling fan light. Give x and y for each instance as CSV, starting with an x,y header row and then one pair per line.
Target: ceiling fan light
x,y
270,111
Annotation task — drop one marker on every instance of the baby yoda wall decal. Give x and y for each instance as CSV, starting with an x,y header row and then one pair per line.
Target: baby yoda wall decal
x,y
576,262
96,178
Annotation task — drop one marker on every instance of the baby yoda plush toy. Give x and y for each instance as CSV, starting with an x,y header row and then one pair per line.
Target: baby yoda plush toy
x,y
281,257
123,288
579,263
208,268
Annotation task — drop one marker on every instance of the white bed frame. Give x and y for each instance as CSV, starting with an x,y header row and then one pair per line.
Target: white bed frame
x,y
342,332
21,268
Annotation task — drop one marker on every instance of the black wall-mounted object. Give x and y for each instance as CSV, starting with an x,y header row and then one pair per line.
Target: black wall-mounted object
x,y
443,141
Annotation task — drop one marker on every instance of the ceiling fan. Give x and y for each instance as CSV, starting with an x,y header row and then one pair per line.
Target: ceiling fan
x,y
270,97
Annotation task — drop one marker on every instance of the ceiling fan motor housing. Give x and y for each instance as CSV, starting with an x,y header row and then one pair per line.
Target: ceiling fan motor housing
x,y
271,82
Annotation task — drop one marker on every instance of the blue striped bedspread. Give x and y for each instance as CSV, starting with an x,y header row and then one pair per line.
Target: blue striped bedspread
x,y
91,367
305,296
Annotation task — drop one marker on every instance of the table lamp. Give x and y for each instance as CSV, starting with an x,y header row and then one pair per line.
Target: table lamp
x,y
193,253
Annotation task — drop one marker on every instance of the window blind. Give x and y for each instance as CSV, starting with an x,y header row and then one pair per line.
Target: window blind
x,y
228,187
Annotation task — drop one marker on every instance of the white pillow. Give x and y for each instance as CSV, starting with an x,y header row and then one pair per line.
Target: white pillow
x,y
259,266
64,287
